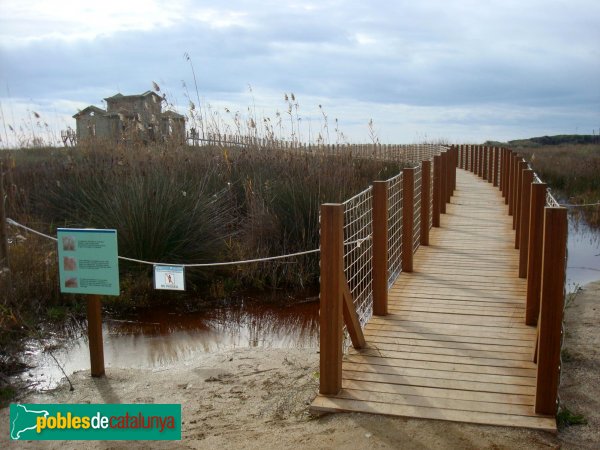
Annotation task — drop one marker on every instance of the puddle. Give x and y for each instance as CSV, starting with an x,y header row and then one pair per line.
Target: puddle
x,y
583,263
160,338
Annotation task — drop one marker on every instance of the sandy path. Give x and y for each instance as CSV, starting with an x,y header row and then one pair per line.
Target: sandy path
x,y
258,399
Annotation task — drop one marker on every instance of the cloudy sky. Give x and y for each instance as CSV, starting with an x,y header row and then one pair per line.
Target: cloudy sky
x,y
459,70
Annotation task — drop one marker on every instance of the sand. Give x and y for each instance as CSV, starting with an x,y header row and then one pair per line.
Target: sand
x,y
259,398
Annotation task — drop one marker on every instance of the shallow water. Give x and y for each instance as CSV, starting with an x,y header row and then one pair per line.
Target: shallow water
x,y
159,338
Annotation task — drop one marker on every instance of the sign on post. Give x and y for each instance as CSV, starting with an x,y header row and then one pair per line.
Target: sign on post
x,y
88,261
170,278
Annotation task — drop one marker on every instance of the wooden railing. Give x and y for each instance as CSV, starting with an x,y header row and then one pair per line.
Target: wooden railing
x,y
540,226
400,212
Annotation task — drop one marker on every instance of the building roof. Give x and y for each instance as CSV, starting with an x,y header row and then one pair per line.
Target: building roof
x,y
88,109
172,115
145,94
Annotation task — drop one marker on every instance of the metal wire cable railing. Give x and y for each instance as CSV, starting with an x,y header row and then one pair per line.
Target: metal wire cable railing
x,y
394,228
417,211
358,257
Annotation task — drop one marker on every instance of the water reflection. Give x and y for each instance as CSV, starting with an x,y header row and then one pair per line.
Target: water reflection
x,y
160,337
583,265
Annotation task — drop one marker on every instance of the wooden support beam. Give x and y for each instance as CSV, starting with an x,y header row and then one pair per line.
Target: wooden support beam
x,y
534,253
425,200
551,310
524,221
330,312
408,204
351,317
380,248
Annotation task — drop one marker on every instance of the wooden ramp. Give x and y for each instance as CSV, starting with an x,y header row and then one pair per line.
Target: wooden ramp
x,y
454,346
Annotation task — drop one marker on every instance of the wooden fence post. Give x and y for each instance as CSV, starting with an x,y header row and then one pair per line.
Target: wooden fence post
x,y
551,310
509,176
517,211
437,186
534,253
425,200
408,205
513,184
444,182
490,174
330,312
524,221
380,248
454,167
94,318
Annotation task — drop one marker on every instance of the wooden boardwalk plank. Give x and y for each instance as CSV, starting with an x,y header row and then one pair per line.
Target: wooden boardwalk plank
x,y
454,345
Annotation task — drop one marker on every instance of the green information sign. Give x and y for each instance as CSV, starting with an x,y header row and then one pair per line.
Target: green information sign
x,y
88,261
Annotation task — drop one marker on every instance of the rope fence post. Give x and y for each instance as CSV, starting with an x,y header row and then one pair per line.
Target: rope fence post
x,y
524,221
437,185
534,253
380,248
3,228
408,189
330,303
425,201
551,310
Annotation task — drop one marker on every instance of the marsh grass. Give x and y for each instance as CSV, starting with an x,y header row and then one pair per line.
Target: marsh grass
x,y
177,204
570,170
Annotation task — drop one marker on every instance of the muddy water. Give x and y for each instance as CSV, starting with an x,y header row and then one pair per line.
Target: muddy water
x,y
160,338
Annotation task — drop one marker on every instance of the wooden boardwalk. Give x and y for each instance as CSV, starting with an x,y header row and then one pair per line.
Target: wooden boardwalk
x,y
454,345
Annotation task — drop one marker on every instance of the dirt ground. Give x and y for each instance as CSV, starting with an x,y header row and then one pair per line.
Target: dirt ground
x,y
258,399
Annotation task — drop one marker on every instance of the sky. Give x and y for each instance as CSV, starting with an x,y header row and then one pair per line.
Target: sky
x,y
461,71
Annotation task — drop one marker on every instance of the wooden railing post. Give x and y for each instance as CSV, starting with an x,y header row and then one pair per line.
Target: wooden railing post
x,y
449,169
495,180
490,173
471,159
444,182
551,310
408,205
425,200
454,167
517,211
330,312
534,253
484,170
380,248
524,221
437,186
513,184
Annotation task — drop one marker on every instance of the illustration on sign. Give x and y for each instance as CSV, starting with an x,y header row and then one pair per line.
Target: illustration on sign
x,y
88,261
169,278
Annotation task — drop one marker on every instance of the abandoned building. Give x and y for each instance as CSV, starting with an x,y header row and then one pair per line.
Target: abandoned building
x,y
131,117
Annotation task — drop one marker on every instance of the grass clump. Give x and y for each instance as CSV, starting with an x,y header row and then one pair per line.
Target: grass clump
x,y
566,418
